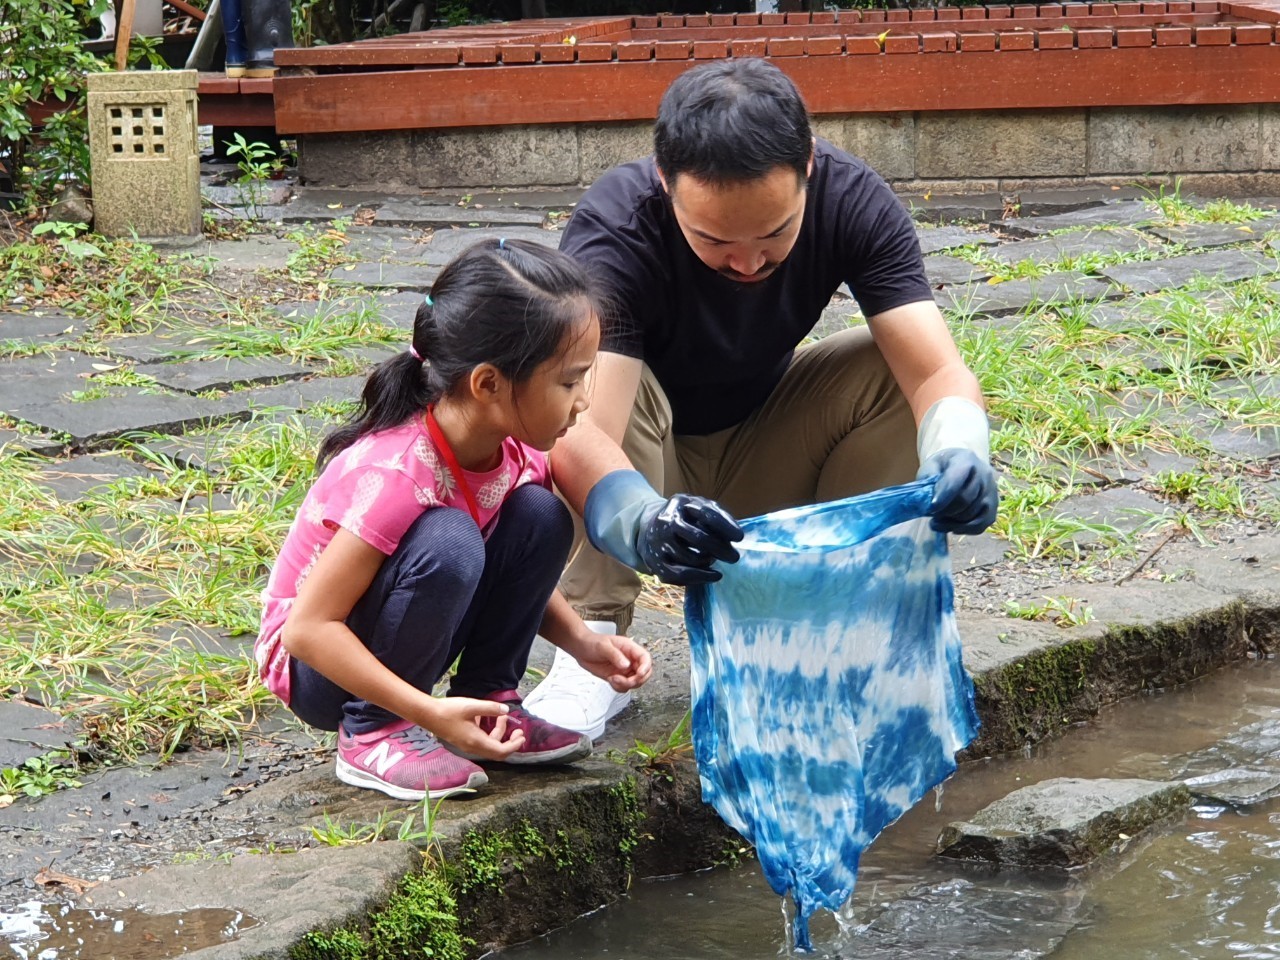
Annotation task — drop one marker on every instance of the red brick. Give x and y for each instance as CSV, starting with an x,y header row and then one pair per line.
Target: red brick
x,y
635,50
977,42
1050,10
1135,37
710,49
519,53
823,17
670,20
595,52
773,19
1055,40
861,45
824,46
747,19
556,53
1173,36
897,16
904,44
873,16
938,42
1025,11
948,13
922,13
797,19
1130,8
1217,36
1155,8
1017,40
671,50
1253,33
480,54
644,23
1094,39
1102,10
973,13
1179,6
747,48
849,16
697,20
1076,10
999,13
1204,6
440,53
786,47
722,19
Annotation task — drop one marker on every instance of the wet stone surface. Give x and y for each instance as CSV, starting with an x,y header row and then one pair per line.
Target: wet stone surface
x,y
1011,296
1224,266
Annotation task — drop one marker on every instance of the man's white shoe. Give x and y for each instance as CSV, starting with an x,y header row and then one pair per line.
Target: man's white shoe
x,y
572,698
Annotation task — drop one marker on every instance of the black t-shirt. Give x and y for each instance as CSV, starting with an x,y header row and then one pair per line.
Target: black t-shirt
x,y
719,347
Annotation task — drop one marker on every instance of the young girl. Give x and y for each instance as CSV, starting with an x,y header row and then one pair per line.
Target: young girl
x,y
432,535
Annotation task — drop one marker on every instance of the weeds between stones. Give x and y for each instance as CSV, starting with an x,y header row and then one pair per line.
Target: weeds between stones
x,y
130,609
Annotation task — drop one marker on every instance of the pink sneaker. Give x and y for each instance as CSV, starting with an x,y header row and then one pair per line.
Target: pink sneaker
x,y
406,762
543,742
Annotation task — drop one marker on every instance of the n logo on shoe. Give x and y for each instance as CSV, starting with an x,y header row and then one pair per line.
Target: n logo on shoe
x,y
382,757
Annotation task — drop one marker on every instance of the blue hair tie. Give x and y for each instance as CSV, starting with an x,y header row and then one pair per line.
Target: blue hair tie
x,y
502,243
429,303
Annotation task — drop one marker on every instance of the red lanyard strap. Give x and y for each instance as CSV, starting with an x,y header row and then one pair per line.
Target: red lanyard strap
x,y
450,461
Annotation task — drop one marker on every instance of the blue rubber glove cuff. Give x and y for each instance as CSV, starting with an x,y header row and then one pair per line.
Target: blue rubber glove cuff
x,y
617,508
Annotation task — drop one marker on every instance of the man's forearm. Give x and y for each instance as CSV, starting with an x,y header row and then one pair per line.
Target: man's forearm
x,y
581,458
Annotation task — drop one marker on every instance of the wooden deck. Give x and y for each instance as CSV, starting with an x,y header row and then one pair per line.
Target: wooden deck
x,y
1134,53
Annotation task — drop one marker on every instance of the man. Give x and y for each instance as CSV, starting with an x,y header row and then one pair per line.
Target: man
x,y
720,253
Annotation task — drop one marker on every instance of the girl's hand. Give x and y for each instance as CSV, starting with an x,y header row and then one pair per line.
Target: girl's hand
x,y
622,662
466,724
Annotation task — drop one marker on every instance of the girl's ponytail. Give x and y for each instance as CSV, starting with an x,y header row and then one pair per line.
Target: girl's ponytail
x,y
398,389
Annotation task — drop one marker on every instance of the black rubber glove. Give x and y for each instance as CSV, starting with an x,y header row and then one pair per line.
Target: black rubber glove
x,y
965,498
679,540
676,539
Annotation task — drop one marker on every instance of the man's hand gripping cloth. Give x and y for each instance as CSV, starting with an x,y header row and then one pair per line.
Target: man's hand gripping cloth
x,y
828,691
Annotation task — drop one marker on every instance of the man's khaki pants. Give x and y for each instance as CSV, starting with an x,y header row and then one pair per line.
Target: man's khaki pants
x,y
836,425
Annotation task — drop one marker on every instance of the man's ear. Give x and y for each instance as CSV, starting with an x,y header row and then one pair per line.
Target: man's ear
x,y
662,179
813,145
487,384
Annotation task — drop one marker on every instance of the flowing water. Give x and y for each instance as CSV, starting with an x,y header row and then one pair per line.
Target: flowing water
x,y
1208,889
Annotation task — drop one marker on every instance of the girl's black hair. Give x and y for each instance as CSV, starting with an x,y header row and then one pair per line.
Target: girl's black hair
x,y
510,303
732,121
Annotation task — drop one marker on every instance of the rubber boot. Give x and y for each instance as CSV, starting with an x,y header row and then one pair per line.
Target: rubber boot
x,y
233,31
268,26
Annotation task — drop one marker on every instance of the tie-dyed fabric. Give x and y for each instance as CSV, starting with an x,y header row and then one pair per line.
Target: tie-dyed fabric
x,y
828,692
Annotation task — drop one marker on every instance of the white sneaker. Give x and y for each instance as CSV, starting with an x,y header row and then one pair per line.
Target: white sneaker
x,y
572,698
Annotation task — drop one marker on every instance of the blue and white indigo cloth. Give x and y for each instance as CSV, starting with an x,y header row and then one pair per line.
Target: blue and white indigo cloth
x,y
828,691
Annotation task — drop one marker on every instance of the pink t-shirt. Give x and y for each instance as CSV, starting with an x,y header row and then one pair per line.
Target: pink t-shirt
x,y
376,488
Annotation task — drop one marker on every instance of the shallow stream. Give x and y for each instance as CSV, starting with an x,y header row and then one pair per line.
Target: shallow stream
x,y
1208,889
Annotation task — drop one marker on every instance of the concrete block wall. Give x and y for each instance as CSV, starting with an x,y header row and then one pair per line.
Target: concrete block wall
x,y
1230,150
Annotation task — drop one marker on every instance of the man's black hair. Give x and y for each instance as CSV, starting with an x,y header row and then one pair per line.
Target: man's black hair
x,y
732,121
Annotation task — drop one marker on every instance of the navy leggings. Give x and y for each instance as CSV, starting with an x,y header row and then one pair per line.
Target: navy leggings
x,y
445,593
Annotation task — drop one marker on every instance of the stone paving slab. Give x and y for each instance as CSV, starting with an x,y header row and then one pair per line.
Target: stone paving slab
x,y
320,204
938,239
1205,235
441,246
1123,508
1013,296
29,329
94,421
225,373
42,378
411,212
301,394
1076,244
952,271
1125,213
155,347
1226,266
27,731
244,195
12,440
394,276
1238,441
75,478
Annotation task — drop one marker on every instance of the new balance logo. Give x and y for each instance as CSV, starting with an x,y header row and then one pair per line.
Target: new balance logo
x,y
381,758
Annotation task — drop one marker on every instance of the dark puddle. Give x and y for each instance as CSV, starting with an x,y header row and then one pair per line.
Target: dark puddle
x,y
55,932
